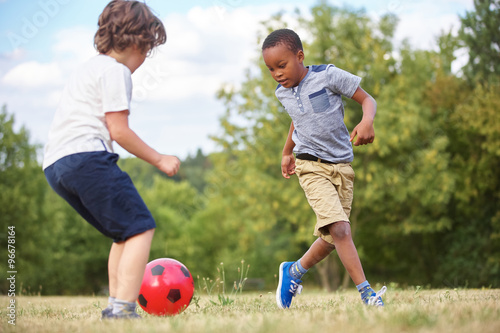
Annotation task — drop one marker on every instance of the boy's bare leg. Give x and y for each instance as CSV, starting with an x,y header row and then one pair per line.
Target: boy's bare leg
x,y
341,233
132,263
318,251
114,259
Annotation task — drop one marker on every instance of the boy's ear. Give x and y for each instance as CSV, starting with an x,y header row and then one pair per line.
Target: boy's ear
x,y
300,56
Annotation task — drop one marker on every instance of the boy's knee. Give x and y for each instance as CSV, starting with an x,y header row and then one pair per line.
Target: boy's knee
x,y
340,231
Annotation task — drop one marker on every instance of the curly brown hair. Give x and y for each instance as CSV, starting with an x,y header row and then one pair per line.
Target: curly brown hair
x,y
126,23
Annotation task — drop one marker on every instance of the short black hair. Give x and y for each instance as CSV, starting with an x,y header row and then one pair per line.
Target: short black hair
x,y
283,36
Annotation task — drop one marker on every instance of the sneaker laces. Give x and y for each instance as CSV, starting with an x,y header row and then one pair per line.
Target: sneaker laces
x,y
376,300
295,288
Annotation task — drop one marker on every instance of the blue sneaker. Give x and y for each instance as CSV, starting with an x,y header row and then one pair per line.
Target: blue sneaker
x,y
371,298
287,286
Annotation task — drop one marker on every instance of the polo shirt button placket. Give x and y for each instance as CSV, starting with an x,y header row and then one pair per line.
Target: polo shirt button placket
x,y
298,100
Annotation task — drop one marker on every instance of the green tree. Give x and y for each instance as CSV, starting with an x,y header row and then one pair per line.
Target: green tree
x,y
473,251
172,205
21,191
194,169
66,256
17,162
142,173
409,182
480,34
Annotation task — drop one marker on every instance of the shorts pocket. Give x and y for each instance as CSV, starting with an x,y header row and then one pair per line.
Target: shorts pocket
x,y
299,167
348,171
319,101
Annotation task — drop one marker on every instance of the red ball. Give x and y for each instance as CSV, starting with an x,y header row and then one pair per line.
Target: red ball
x,y
167,287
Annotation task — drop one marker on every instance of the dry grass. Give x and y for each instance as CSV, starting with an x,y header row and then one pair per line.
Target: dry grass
x,y
412,310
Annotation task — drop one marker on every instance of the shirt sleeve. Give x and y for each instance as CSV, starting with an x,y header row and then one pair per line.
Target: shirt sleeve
x,y
116,85
342,82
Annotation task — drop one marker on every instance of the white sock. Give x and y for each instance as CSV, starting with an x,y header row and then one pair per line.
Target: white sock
x,y
123,306
111,300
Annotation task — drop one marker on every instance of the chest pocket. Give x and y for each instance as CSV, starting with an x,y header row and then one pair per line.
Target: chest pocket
x,y
319,100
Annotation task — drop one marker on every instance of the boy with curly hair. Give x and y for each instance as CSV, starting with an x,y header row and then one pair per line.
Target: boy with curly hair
x,y
312,96
79,162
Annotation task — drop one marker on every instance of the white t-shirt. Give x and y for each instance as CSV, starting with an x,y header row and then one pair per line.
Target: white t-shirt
x,y
100,85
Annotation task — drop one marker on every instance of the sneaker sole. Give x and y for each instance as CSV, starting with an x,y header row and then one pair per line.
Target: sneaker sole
x,y
278,291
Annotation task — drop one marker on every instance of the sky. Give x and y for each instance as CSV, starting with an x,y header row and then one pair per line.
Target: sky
x,y
210,43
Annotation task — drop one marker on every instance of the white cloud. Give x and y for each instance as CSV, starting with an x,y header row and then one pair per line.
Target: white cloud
x,y
16,54
422,30
467,4
423,21
205,49
52,98
202,52
74,44
33,74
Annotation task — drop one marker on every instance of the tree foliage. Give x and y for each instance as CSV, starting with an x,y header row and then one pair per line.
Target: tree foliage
x,y
480,34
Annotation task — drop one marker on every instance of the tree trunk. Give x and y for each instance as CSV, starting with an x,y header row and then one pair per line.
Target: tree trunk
x,y
329,273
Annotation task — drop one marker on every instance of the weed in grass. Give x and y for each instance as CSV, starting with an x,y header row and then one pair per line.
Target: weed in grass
x,y
196,301
418,289
223,300
219,283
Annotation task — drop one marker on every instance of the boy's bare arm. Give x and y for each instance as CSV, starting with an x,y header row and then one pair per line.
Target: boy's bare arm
x,y
287,160
120,132
364,130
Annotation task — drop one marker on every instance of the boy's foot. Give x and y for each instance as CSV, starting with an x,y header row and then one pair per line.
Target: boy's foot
x,y
287,286
369,296
106,312
120,315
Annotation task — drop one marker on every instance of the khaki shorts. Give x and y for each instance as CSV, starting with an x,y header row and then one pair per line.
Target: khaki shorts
x,y
329,191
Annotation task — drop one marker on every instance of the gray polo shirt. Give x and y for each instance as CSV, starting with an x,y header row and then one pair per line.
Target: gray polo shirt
x,y
317,112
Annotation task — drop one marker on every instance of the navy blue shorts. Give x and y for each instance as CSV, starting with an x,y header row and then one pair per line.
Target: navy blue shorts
x,y
104,195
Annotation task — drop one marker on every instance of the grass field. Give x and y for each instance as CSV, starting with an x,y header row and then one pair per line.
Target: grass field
x,y
408,310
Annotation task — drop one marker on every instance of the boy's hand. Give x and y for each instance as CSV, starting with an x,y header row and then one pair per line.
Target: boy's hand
x,y
287,166
169,164
365,133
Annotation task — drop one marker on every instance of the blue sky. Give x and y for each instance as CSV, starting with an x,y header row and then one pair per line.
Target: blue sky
x,y
210,43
